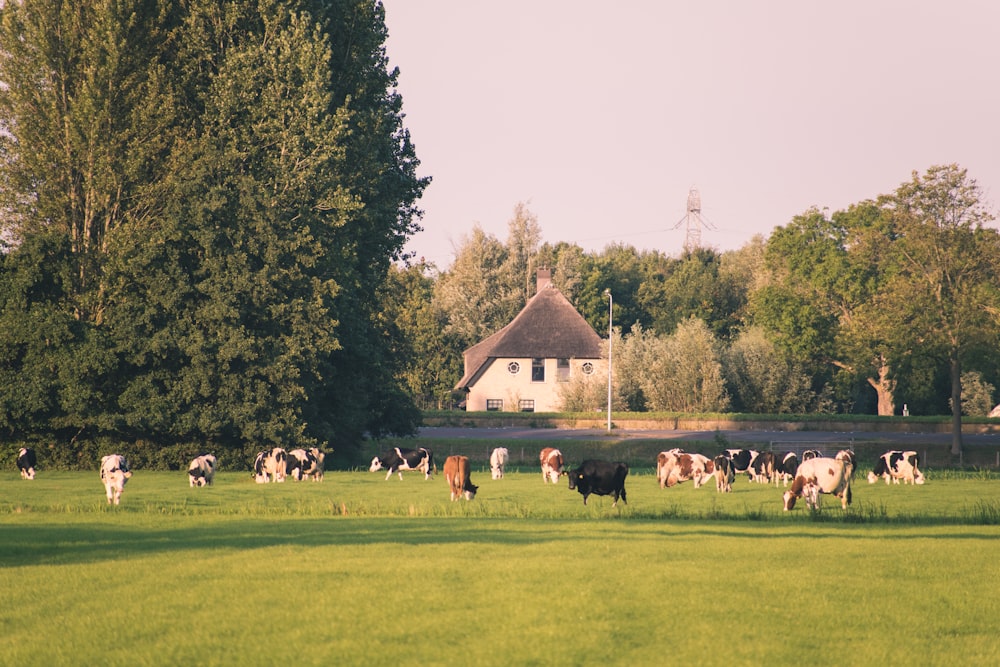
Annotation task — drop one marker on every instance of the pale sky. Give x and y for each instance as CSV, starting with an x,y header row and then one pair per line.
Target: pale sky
x,y
601,116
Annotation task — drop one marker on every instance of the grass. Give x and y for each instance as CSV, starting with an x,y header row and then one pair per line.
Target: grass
x,y
363,571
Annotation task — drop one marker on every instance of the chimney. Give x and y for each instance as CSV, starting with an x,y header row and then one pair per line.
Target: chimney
x,y
543,278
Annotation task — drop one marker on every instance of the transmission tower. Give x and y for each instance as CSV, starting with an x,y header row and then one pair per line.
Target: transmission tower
x,y
694,221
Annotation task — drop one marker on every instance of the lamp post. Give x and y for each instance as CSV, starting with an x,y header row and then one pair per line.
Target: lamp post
x,y
611,302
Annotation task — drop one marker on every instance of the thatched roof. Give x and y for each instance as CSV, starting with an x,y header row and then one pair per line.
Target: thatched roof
x,y
548,326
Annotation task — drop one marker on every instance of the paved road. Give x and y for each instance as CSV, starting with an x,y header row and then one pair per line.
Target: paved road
x,y
798,437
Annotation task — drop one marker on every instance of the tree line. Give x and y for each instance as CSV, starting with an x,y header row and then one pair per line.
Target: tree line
x,y
891,302
203,209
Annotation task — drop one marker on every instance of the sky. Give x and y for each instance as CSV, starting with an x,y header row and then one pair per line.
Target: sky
x,y
602,116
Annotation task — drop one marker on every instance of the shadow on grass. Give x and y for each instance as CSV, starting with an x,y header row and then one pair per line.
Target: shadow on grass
x,y
92,542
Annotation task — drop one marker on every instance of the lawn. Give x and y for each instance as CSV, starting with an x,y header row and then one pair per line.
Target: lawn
x,y
362,571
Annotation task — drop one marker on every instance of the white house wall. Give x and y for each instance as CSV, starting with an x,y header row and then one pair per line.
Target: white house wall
x,y
496,382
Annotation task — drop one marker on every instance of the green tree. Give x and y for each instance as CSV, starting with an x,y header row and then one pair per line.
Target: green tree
x,y
941,296
763,379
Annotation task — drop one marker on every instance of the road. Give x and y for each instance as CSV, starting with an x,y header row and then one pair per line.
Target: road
x,y
787,437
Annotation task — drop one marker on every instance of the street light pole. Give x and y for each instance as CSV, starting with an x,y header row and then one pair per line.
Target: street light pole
x,y
611,302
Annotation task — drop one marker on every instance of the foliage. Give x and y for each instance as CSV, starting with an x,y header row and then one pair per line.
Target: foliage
x,y
218,193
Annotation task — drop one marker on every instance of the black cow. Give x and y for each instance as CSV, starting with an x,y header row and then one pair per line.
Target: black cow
x,y
26,462
603,478
396,460
303,464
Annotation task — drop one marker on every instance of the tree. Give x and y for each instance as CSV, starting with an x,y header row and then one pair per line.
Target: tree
x,y
763,379
430,359
941,297
233,182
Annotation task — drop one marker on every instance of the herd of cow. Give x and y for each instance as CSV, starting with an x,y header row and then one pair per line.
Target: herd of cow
x,y
810,477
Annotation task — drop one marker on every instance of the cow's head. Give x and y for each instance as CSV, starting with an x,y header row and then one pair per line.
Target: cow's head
x,y
376,464
574,477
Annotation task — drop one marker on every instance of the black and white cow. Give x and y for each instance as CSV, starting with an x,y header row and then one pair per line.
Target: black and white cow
x,y
897,465
201,470
742,460
811,454
270,465
602,478
724,474
27,462
114,474
762,468
303,463
396,460
785,466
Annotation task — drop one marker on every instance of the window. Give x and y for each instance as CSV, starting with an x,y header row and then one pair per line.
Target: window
x,y
538,370
526,405
588,368
494,404
562,370
513,368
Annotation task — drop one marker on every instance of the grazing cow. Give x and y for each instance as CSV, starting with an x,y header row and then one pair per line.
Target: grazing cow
x,y
270,466
26,462
114,474
762,468
785,467
396,460
848,456
304,464
602,478
742,460
498,461
821,475
897,465
724,474
675,466
552,464
456,471
201,470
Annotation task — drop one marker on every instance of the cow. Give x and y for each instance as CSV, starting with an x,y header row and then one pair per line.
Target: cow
x,y
897,465
675,466
114,474
456,471
498,461
602,478
742,460
552,464
848,456
26,462
396,460
724,474
785,466
811,454
820,475
762,468
303,463
270,465
201,470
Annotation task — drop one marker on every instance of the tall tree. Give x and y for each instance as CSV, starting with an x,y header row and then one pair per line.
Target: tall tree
x,y
941,296
233,180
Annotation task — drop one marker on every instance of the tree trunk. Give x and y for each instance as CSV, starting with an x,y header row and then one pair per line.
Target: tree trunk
x,y
956,403
885,388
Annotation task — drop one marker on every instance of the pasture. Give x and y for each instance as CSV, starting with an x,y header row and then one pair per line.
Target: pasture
x,y
358,570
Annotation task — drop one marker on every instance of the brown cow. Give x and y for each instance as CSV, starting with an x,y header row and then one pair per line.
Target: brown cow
x,y
674,466
456,471
552,464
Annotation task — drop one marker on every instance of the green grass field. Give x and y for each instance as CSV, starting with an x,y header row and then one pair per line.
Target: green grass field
x,y
362,571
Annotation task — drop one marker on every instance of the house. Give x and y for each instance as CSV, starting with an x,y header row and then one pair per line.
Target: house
x,y
521,367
